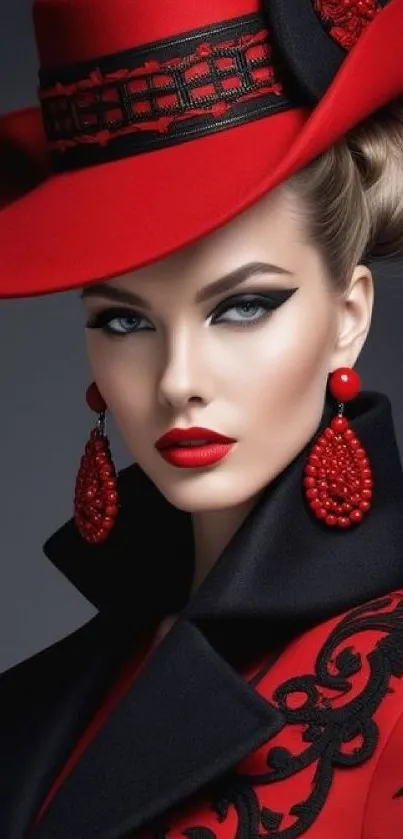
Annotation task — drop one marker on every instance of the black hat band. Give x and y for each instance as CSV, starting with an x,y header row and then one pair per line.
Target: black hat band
x,y
161,94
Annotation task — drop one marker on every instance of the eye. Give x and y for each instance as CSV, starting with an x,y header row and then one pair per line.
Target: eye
x,y
126,321
247,309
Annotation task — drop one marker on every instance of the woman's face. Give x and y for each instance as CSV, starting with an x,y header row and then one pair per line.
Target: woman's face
x,y
249,360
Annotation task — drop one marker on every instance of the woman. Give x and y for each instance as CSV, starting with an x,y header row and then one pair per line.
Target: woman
x,y
218,177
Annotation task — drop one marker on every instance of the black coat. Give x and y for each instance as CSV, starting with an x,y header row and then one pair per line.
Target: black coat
x,y
190,717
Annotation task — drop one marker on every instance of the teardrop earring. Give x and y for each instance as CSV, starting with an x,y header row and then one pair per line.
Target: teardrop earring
x,y
96,497
338,477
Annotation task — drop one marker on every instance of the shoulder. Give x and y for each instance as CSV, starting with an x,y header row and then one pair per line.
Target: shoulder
x,y
91,654
48,669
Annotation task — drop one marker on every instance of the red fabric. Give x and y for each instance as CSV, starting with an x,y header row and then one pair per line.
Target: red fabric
x,y
346,21
109,219
120,25
384,807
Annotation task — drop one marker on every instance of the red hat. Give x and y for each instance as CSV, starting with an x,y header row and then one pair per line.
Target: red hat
x,y
161,120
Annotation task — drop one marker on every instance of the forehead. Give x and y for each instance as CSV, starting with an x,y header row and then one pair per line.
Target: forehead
x,y
269,231
273,215
273,220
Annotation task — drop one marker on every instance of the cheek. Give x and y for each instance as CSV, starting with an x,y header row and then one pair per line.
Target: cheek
x,y
282,390
123,382
287,358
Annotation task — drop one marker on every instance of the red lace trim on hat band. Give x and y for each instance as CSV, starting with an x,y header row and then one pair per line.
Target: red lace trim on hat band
x,y
211,80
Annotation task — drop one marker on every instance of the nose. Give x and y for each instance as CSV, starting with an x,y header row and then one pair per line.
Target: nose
x,y
186,374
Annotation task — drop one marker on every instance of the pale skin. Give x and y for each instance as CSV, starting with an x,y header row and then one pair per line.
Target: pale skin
x,y
263,383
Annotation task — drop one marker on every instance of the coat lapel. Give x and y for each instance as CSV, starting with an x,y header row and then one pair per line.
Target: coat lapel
x,y
186,720
189,716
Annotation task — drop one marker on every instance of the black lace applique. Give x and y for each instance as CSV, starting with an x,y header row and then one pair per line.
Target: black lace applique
x,y
336,720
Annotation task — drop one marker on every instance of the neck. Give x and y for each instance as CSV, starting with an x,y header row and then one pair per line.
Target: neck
x,y
212,531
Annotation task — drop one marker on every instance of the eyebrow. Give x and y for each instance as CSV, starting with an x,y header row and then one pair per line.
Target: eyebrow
x,y
225,283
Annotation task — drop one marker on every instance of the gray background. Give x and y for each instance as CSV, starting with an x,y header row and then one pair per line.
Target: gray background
x,y
44,421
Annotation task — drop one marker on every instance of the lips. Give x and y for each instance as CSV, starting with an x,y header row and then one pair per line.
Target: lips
x,y
195,435
193,448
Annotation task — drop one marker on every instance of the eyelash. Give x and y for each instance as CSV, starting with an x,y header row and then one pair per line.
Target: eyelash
x,y
101,319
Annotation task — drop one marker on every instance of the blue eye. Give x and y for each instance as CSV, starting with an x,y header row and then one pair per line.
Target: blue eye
x,y
249,309
102,320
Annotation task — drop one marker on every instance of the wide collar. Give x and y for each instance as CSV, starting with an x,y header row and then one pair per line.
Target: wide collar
x,y
189,717
283,567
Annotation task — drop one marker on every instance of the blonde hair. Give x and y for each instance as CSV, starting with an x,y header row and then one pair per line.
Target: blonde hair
x,y
351,196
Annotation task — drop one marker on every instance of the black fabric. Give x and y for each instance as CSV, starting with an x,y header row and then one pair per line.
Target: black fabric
x,y
92,154
312,58
187,720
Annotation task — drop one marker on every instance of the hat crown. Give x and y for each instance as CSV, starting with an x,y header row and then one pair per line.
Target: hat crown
x,y
123,77
195,117
75,31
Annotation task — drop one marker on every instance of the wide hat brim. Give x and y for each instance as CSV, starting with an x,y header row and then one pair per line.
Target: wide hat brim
x,y
68,230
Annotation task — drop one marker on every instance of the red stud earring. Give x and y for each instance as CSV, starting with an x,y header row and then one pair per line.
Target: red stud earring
x,y
96,497
337,477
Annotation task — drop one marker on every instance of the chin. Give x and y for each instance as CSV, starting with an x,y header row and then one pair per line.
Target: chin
x,y
205,491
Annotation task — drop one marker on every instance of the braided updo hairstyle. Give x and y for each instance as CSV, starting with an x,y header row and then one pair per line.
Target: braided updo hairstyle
x,y
351,196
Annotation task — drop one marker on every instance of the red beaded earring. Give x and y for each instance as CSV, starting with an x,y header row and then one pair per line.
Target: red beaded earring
x,y
96,497
337,477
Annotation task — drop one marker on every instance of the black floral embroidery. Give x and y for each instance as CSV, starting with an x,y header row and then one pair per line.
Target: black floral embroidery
x,y
330,727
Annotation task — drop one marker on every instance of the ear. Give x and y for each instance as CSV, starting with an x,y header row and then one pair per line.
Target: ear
x,y
354,318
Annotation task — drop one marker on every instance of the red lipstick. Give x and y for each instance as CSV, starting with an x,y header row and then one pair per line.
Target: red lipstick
x,y
205,447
